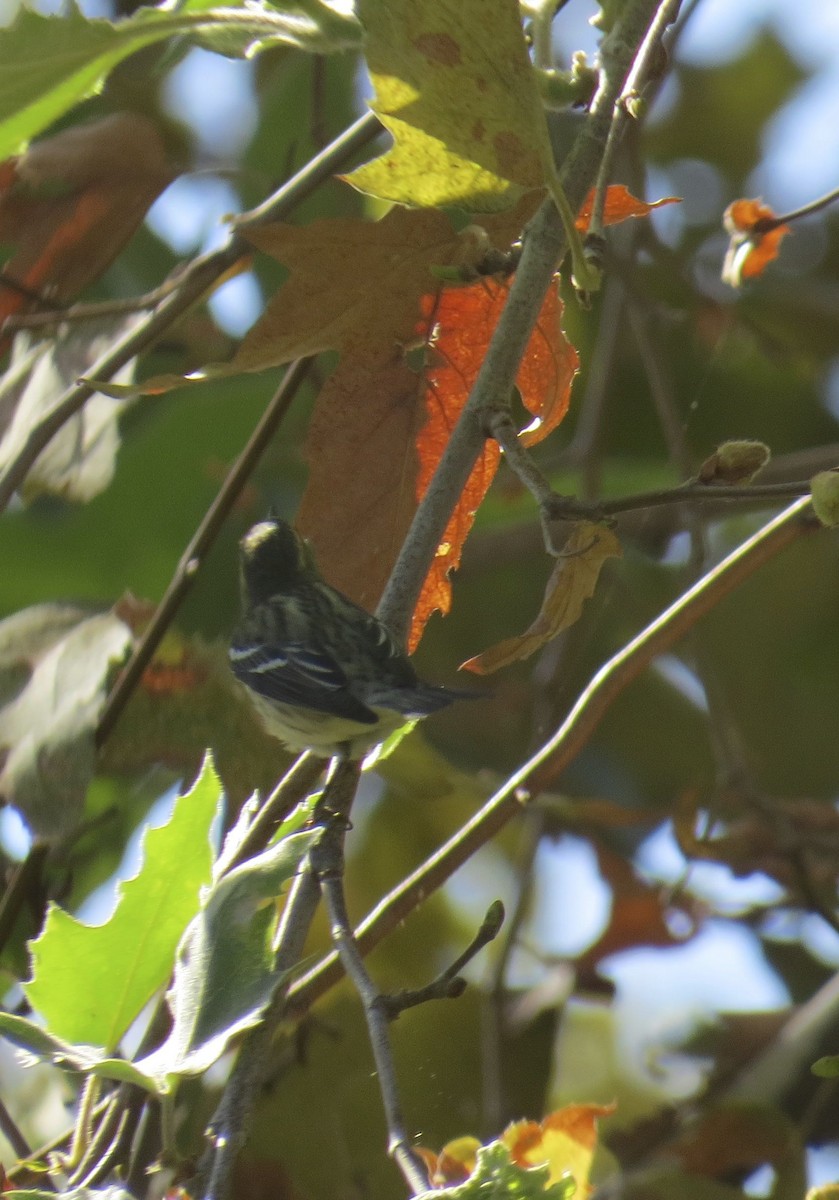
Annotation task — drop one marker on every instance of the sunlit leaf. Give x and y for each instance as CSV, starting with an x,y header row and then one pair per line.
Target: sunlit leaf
x,y
91,982
225,973
465,133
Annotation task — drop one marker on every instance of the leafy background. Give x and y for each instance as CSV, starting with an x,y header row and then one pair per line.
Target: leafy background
x,y
741,113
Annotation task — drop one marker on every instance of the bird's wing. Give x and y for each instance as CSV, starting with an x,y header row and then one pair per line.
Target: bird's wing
x,y
294,673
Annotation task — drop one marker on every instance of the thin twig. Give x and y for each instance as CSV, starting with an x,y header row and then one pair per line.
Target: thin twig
x,y
449,984
544,245
608,683
195,280
327,859
635,81
13,1133
767,224
92,312
294,786
196,551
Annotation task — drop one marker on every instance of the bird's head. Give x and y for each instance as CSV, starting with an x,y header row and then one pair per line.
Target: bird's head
x,y
274,557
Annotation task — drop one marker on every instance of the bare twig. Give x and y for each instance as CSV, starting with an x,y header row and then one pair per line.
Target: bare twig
x,y
196,551
327,860
449,984
642,66
767,224
194,281
13,1133
91,312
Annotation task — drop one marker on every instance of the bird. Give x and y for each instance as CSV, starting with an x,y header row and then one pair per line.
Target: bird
x,y
323,674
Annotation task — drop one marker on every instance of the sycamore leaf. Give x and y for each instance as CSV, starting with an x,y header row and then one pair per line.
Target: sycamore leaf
x,y
572,582
72,201
381,423
466,133
91,982
755,240
80,460
55,662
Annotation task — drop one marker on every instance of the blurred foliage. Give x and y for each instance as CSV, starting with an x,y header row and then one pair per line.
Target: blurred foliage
x,y
739,721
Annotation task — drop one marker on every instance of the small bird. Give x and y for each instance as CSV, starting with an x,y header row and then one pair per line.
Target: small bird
x,y
323,674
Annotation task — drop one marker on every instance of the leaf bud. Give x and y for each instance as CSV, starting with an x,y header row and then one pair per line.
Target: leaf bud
x,y
824,489
734,462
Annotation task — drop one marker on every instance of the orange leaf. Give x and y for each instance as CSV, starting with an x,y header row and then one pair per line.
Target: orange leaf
x,y
619,205
565,1141
572,582
459,323
70,204
755,240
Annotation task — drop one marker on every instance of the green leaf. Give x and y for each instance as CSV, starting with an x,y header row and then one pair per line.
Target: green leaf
x,y
80,460
55,662
496,1177
467,133
89,1060
90,983
48,64
225,975
826,1067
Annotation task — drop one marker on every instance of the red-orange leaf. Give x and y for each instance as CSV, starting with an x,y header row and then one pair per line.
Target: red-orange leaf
x,y
620,204
458,325
755,240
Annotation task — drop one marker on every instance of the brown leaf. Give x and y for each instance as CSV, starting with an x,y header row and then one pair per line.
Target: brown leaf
x,y
572,582
361,446
70,204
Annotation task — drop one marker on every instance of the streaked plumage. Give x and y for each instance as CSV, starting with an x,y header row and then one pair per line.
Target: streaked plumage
x,y
324,674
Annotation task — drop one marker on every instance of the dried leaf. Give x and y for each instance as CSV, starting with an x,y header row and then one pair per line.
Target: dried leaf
x,y
752,246
572,582
620,205
565,1141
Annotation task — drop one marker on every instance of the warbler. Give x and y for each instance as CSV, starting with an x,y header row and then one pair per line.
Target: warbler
x,y
323,674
